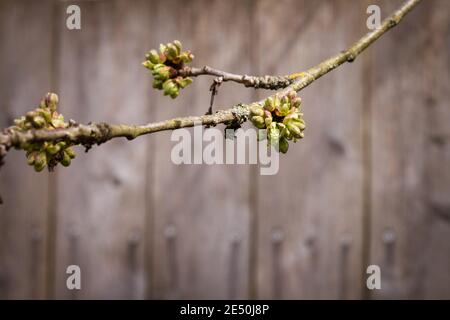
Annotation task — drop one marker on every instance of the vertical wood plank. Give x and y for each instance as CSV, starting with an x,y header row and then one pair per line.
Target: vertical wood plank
x,y
201,211
411,150
101,196
25,76
309,214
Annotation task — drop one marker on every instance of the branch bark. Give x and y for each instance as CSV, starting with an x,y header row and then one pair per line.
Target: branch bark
x,y
264,82
98,133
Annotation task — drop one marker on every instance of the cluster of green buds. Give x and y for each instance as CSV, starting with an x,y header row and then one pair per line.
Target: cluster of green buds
x,y
282,119
41,154
165,65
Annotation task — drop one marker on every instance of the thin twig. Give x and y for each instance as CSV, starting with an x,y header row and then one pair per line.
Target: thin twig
x,y
264,82
214,90
98,133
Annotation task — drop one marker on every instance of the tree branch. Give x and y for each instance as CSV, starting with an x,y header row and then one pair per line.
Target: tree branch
x,y
98,133
264,82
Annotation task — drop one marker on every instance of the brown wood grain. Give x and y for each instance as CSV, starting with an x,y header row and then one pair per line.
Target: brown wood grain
x,y
25,76
411,167
101,197
309,214
201,212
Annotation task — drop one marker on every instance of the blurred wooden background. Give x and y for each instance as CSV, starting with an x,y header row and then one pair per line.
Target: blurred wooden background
x,y
370,183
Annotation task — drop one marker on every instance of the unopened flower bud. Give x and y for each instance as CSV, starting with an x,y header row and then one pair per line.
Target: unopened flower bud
x,y
256,110
38,122
269,104
40,161
301,124
70,152
186,57
58,121
148,64
31,156
291,95
296,102
174,93
184,82
30,115
168,86
162,48
294,130
51,100
53,149
258,121
284,108
157,84
153,57
283,145
171,51
178,45
161,72
65,161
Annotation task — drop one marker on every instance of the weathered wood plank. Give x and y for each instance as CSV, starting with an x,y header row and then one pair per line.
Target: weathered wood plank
x,y
309,214
201,212
25,76
411,150
101,196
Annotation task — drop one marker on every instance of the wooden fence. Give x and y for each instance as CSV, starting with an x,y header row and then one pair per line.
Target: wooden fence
x,y
370,183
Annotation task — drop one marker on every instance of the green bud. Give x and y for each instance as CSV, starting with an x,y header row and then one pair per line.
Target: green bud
x,y
283,145
286,134
256,110
171,51
148,64
284,109
184,82
178,46
296,102
39,122
161,72
258,121
46,113
296,132
30,115
269,104
300,123
58,121
19,121
153,56
31,157
285,100
65,161
169,86
276,101
174,93
53,149
51,100
162,49
61,144
186,57
157,84
40,161
70,152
